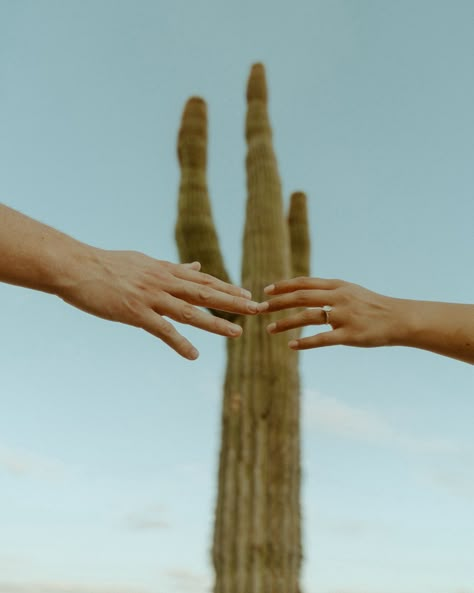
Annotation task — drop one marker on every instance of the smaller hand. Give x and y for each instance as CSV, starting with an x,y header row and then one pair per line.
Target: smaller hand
x,y
135,289
359,317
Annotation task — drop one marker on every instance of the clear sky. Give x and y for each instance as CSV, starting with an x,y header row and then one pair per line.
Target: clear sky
x,y
108,440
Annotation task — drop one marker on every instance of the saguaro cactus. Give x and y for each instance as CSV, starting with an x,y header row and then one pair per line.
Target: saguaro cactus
x,y
257,533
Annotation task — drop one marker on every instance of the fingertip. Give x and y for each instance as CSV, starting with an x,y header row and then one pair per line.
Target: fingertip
x,y
271,327
195,265
269,289
253,308
293,344
246,293
235,331
263,307
193,354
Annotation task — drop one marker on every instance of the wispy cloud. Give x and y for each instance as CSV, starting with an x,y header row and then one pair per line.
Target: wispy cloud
x,y
353,527
350,591
22,463
457,482
332,416
151,519
66,587
186,581
358,591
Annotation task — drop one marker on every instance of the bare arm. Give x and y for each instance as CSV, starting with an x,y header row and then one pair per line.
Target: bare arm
x,y
124,286
364,318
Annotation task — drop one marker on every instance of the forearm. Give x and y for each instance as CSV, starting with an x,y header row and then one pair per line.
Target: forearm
x,y
443,328
124,286
35,255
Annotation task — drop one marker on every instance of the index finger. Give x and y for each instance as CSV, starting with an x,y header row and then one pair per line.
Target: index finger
x,y
209,280
297,299
211,298
302,283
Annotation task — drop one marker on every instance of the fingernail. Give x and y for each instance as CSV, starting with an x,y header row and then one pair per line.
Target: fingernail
x,y
263,306
246,293
293,344
253,307
235,330
268,289
193,354
271,327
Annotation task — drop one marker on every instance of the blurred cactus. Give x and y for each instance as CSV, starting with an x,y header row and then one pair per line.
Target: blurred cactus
x,y
257,533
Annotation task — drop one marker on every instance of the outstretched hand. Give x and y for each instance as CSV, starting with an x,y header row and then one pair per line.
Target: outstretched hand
x,y
132,288
359,317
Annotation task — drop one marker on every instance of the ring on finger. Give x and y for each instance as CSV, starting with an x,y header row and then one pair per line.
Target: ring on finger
x,y
326,310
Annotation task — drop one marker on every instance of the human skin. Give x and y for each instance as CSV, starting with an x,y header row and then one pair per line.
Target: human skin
x,y
124,286
363,318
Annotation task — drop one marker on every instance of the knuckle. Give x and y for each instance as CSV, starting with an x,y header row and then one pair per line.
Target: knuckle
x,y
165,329
324,338
187,313
207,279
133,305
302,297
350,319
302,281
219,325
204,295
237,304
181,344
357,339
342,294
132,253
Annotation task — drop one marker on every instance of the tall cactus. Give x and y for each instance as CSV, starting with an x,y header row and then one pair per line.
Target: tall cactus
x,y
257,533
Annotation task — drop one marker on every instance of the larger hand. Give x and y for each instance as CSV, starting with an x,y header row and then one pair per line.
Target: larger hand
x,y
133,288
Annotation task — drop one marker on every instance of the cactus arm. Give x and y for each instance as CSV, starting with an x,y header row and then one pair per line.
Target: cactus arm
x,y
195,231
299,235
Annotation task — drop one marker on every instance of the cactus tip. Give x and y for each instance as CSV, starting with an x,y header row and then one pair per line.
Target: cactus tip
x,y
257,86
298,197
195,107
192,134
298,206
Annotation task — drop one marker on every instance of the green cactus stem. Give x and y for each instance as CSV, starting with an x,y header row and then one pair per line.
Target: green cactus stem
x,y
257,531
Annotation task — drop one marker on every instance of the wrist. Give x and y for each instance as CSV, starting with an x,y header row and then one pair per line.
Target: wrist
x,y
407,322
69,266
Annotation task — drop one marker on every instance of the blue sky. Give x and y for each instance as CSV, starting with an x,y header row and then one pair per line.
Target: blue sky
x,y
108,440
